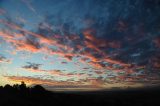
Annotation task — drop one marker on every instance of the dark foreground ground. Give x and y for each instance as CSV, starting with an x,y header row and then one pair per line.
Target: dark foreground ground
x,y
38,96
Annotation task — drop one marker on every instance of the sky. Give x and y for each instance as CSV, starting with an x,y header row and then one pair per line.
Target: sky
x,y
80,44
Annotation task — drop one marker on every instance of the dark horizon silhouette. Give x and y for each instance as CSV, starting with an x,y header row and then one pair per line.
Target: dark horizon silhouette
x,y
21,95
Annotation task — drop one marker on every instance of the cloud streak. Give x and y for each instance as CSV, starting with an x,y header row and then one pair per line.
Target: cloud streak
x,y
3,59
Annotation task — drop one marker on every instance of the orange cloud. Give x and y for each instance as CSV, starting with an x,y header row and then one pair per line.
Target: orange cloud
x,y
96,65
51,84
88,34
33,81
93,42
20,44
92,46
88,55
69,57
23,44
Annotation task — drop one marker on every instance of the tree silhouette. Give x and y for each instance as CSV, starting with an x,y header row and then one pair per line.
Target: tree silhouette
x,y
16,86
8,87
22,89
1,87
38,88
22,86
21,95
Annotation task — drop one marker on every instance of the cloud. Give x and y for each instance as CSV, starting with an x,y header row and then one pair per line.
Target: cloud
x,y
3,59
63,62
2,11
32,66
157,42
155,62
29,5
50,84
68,57
35,42
92,47
33,81
20,42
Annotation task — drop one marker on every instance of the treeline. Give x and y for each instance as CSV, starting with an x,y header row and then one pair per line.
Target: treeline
x,y
22,87
21,95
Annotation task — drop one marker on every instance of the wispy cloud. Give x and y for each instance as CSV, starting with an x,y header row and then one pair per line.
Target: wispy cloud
x,y
51,84
3,59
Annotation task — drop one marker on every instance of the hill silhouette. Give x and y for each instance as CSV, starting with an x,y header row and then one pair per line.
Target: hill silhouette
x,y
21,95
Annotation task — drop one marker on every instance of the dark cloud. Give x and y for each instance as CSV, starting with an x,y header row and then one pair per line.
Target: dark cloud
x,y
122,30
64,62
3,59
30,65
33,41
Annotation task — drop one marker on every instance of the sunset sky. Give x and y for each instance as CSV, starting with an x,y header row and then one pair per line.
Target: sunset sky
x,y
80,44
